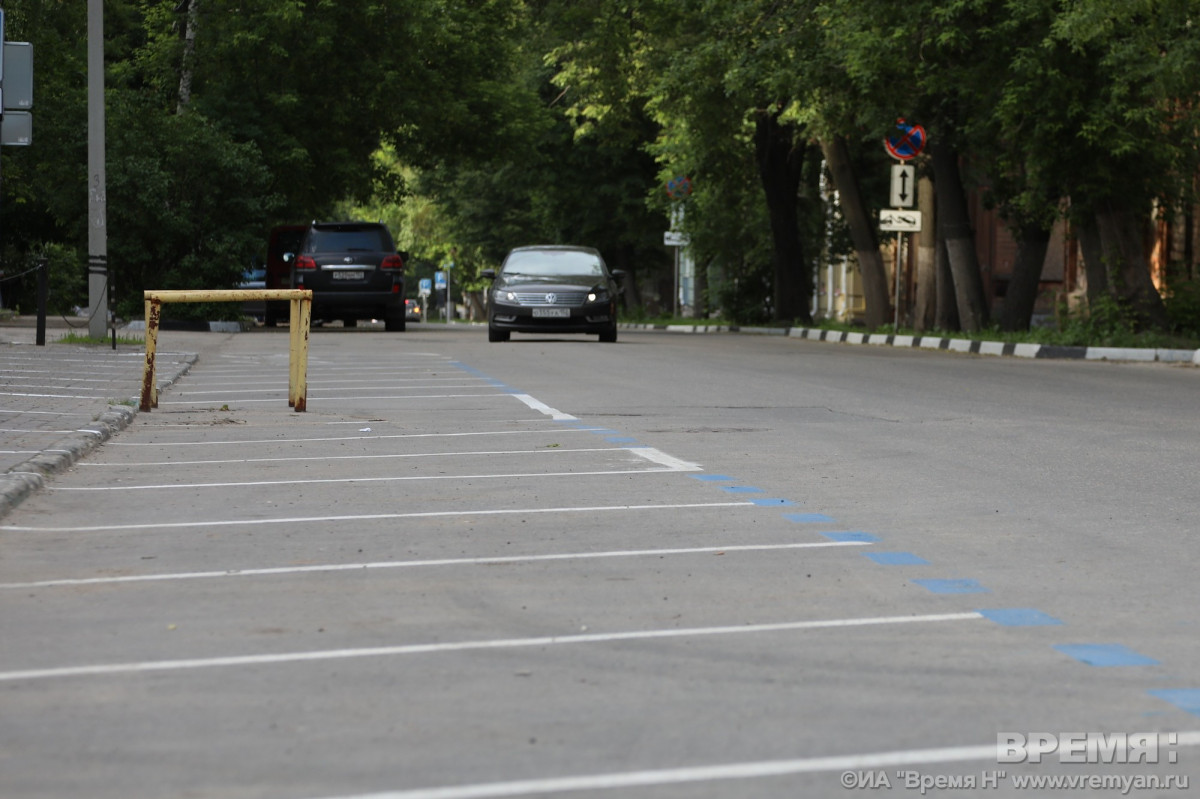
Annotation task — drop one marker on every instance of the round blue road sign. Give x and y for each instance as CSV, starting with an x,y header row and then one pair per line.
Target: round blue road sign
x,y
908,144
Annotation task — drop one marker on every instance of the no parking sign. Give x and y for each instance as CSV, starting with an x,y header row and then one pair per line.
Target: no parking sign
x,y
908,144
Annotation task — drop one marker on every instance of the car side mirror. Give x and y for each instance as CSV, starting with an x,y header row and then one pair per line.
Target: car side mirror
x,y
618,274
489,274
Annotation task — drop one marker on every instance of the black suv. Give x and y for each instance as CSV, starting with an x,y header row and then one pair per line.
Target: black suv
x,y
354,273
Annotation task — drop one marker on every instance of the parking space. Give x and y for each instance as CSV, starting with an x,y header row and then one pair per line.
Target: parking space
x,y
433,583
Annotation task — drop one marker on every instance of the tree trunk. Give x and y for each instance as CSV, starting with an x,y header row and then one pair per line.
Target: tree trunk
x,y
187,67
1093,260
700,289
1032,242
1124,257
959,239
925,308
780,165
946,317
862,231
631,297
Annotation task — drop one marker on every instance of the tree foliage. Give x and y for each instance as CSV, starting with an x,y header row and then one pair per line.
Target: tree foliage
x,y
478,125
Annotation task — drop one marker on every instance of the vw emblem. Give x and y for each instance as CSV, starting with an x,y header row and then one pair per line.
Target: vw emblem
x,y
551,299
347,259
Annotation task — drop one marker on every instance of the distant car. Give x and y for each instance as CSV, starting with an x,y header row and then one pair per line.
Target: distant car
x,y
553,289
412,310
282,240
255,277
354,272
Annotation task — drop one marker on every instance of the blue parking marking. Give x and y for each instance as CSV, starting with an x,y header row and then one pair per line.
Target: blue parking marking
x,y
712,478
1106,655
953,586
807,518
1187,699
775,502
742,490
854,535
896,559
1019,617
619,440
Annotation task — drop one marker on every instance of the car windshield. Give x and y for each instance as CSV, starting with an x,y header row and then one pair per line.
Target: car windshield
x,y
371,240
553,263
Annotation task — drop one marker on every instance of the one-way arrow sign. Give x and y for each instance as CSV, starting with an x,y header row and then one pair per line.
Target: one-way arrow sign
x,y
904,186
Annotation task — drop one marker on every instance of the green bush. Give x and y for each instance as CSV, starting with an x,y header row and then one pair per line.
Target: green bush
x,y
1183,309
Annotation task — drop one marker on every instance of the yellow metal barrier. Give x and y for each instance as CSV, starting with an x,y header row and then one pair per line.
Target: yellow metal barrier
x,y
300,318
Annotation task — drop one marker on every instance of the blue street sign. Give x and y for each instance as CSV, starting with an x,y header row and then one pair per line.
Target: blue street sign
x,y
907,145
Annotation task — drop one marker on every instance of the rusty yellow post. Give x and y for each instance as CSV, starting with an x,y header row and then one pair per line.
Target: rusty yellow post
x,y
293,351
305,313
298,338
149,382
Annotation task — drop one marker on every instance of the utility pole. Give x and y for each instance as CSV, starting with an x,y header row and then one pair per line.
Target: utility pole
x,y
97,181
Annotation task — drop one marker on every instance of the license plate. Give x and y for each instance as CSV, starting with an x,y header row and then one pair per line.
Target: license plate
x,y
348,275
557,313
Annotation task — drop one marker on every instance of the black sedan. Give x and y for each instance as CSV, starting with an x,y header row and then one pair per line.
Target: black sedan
x,y
553,289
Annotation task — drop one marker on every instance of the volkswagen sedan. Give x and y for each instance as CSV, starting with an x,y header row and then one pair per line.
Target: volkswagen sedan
x,y
553,289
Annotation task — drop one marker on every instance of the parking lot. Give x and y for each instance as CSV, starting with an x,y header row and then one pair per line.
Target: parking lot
x,y
440,582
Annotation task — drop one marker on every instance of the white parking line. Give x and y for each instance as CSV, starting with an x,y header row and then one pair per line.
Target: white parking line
x,y
191,391
669,464
470,646
311,398
240,442
337,480
411,564
871,761
542,407
388,456
369,517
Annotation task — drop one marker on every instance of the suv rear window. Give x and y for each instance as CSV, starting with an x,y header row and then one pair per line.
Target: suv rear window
x,y
348,240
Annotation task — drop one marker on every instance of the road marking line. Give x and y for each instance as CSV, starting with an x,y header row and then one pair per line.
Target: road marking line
x,y
469,646
329,385
240,442
366,517
410,564
542,407
337,480
331,399
663,459
475,453
49,396
870,761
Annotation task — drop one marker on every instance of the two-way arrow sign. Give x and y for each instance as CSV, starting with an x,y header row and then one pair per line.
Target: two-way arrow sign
x,y
904,186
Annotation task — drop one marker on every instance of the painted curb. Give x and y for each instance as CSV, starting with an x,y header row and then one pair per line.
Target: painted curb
x,y
1000,348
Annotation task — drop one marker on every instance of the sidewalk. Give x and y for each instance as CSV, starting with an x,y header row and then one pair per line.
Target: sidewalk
x,y
939,343
60,401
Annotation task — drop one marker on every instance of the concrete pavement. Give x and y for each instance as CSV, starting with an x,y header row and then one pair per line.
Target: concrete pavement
x,y
60,401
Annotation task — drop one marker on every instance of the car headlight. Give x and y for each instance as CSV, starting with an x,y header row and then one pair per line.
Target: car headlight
x,y
597,295
504,295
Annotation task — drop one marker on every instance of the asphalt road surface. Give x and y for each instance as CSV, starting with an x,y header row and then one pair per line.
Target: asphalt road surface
x,y
677,566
